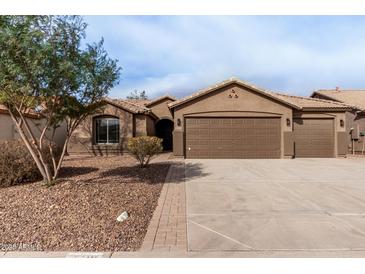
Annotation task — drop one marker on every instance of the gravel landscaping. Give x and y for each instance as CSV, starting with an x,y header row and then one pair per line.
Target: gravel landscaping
x,y
79,213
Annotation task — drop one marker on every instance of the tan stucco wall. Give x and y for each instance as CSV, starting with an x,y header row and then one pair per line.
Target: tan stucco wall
x,y
6,127
140,125
144,125
150,126
356,121
8,130
60,135
161,110
82,141
218,103
339,131
288,144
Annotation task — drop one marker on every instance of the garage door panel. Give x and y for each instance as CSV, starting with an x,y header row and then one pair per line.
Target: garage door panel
x,y
202,122
236,142
233,138
192,142
200,147
215,142
237,124
215,131
202,154
227,135
314,137
237,131
249,123
214,123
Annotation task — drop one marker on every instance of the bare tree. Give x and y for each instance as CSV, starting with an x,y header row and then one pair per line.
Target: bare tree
x,y
138,95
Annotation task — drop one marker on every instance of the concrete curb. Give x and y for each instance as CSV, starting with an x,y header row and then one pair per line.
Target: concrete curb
x,y
191,254
55,254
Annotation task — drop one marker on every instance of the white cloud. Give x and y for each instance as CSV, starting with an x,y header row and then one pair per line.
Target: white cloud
x,y
179,54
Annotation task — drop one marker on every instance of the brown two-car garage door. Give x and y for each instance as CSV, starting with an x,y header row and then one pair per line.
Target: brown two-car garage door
x,y
314,138
232,138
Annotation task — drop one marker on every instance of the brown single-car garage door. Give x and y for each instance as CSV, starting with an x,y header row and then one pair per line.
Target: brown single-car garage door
x,y
232,137
314,138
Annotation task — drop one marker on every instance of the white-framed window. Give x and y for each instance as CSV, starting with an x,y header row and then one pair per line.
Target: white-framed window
x,y
106,130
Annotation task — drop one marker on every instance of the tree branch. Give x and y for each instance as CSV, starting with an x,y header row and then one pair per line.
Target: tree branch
x,y
28,145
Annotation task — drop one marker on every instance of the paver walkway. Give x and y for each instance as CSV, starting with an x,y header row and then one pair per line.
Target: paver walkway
x,y
167,229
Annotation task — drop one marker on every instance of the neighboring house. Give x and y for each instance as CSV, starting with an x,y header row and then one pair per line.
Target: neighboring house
x,y
8,130
108,131
355,126
232,119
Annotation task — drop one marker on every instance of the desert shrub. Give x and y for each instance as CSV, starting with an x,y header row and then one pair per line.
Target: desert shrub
x,y
17,165
144,148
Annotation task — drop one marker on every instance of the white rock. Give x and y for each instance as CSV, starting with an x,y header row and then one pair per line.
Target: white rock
x,y
122,217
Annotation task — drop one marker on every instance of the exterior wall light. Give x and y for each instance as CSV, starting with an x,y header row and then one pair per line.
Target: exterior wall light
x,y
288,122
179,122
342,123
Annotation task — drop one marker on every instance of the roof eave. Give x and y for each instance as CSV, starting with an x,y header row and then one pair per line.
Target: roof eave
x,y
160,99
337,109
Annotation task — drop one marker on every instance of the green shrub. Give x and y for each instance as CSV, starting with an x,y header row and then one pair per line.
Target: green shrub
x,y
144,148
17,165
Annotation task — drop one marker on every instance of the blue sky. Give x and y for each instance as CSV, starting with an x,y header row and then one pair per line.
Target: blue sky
x,y
178,55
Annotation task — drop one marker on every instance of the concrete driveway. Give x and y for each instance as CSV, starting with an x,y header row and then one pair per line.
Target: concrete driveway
x,y
276,205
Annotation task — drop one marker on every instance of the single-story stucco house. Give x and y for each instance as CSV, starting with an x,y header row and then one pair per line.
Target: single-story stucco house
x,y
232,119
355,118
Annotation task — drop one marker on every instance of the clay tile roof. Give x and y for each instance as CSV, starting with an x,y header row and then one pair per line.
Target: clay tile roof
x,y
354,98
160,99
127,105
232,80
140,102
312,103
296,102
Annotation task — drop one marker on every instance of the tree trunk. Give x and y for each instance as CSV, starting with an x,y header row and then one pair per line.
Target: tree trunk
x,y
38,146
64,149
35,157
29,146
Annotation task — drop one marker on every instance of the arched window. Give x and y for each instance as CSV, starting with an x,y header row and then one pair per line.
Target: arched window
x,y
106,130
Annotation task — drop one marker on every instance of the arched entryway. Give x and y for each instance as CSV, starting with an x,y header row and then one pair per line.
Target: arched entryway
x,y
164,128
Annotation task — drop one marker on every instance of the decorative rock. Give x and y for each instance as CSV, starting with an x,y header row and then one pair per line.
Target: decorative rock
x,y
122,217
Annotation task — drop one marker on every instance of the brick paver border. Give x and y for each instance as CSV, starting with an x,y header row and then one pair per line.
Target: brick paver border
x,y
167,228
